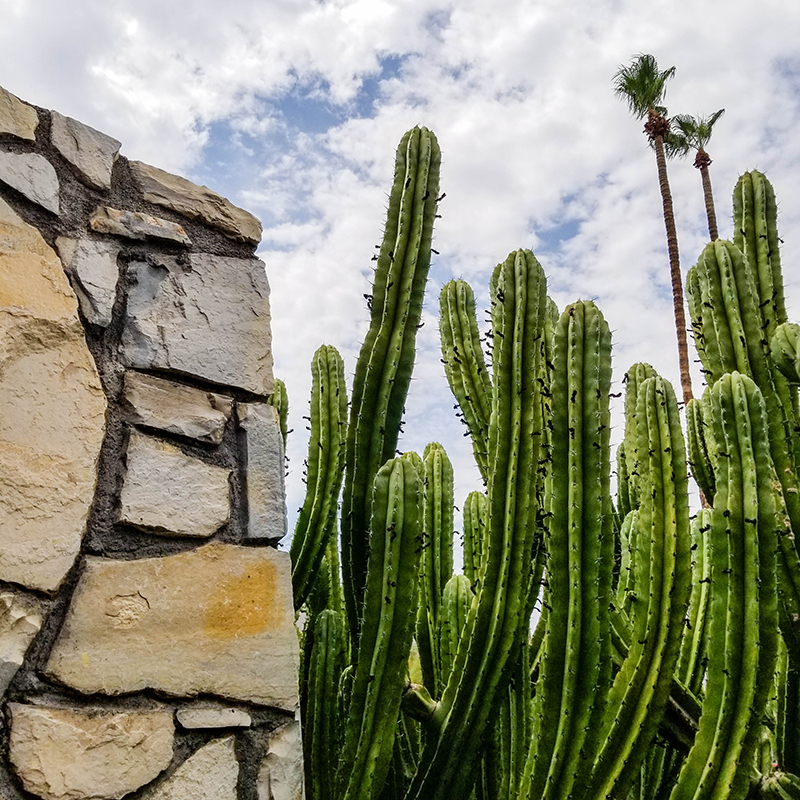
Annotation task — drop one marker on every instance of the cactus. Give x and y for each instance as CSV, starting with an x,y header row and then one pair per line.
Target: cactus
x,y
387,626
638,681
383,371
495,622
638,697
465,367
743,603
575,670
317,519
437,558
279,400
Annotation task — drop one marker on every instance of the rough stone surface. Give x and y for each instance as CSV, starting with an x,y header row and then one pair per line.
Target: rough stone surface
x,y
213,716
209,774
195,202
91,151
16,117
53,417
136,225
80,754
166,491
265,471
20,621
175,407
281,773
33,176
211,321
214,620
93,265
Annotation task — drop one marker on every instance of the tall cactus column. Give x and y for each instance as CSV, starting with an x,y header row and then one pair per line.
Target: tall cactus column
x,y
575,671
491,640
743,611
383,371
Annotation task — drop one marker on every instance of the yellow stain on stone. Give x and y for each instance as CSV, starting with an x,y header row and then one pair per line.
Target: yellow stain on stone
x,y
245,605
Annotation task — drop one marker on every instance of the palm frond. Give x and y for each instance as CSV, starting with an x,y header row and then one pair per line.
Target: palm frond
x,y
641,85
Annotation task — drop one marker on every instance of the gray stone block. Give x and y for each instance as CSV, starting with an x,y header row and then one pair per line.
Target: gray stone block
x,y
91,151
33,176
210,320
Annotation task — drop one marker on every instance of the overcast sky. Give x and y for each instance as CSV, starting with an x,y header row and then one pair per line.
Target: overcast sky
x,y
293,109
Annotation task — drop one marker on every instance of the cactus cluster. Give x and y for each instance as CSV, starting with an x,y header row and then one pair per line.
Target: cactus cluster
x,y
596,645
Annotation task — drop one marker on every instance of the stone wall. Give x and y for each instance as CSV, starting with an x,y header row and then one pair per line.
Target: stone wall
x,y
147,639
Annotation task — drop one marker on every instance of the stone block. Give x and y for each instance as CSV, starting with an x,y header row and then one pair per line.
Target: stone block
x,y
195,202
91,151
176,408
165,491
33,176
93,265
266,502
20,621
88,754
53,419
281,773
136,225
16,117
216,620
210,320
211,773
204,715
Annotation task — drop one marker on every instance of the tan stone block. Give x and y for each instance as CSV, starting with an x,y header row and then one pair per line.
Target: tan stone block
x,y
20,621
209,774
167,491
16,117
175,407
53,418
216,620
91,151
136,225
195,202
88,754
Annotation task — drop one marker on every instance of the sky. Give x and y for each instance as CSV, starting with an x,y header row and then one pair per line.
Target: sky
x,y
293,110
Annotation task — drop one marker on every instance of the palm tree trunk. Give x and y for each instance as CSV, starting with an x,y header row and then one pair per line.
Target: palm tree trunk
x,y
709,198
674,268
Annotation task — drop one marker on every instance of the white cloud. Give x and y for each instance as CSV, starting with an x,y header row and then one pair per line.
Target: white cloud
x,y
520,97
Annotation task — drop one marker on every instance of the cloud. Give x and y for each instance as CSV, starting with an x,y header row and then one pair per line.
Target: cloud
x,y
293,110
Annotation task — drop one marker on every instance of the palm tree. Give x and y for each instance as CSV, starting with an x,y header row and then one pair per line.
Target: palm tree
x,y
642,86
693,133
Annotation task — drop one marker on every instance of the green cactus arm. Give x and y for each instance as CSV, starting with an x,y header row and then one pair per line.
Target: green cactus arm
x,y
641,688
729,286
494,624
626,588
316,522
475,517
456,601
321,739
743,603
698,450
388,624
279,400
436,566
575,670
386,359
624,506
785,351
693,644
634,378
755,233
465,366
